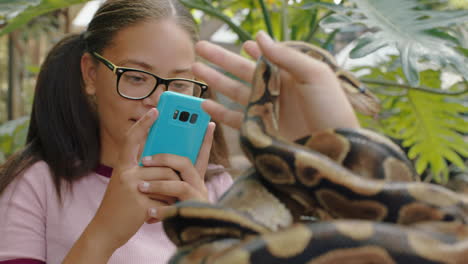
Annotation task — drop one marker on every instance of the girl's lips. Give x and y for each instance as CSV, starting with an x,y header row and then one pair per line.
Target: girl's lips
x,y
135,119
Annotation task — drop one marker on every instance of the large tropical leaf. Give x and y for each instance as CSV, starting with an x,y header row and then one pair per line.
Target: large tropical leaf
x,y
429,125
401,23
29,9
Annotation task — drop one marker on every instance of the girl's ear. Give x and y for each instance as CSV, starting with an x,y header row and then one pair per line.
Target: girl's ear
x,y
88,70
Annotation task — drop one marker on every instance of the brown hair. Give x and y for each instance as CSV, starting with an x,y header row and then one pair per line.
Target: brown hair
x,y
64,127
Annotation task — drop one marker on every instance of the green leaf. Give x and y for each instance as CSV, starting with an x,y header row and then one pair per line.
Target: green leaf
x,y
329,6
31,9
9,128
336,21
430,125
9,8
443,35
212,10
463,51
412,30
13,135
367,44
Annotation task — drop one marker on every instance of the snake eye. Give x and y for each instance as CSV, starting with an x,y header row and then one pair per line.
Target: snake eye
x,y
362,89
354,82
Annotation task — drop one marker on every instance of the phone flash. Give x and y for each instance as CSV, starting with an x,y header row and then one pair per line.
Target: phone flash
x,y
176,113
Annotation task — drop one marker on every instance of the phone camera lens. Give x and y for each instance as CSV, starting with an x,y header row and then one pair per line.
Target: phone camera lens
x,y
193,118
184,116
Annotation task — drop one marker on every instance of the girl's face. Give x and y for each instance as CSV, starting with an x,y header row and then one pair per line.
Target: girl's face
x,y
160,47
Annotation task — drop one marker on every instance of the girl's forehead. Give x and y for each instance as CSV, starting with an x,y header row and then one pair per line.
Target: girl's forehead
x,y
151,36
162,45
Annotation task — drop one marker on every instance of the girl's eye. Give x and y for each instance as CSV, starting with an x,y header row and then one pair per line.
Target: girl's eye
x,y
136,77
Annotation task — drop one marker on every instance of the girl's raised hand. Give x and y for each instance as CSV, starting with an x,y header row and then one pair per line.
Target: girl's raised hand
x,y
306,83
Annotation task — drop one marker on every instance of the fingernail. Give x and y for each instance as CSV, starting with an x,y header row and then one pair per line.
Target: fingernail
x,y
147,158
153,212
144,186
264,37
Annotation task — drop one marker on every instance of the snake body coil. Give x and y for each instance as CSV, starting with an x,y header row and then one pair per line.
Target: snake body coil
x,y
341,196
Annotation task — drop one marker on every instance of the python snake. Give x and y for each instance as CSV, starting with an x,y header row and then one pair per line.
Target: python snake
x,y
339,196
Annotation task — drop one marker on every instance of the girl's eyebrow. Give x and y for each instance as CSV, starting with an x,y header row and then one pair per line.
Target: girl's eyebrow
x,y
149,68
182,70
141,64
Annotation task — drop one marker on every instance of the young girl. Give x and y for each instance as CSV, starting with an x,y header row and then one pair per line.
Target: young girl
x,y
55,200
76,193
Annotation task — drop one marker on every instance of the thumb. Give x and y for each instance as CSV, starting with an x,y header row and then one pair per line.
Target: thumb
x,y
204,153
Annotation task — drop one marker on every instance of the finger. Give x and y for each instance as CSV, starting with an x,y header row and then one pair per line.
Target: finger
x,y
231,62
156,214
135,138
163,198
204,153
152,173
252,49
179,189
304,69
152,211
218,81
223,115
183,165
144,187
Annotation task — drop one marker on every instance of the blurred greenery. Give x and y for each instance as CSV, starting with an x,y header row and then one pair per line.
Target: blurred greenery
x,y
12,136
26,10
430,36
431,126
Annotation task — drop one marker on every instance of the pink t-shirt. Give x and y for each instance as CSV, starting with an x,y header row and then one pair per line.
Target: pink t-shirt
x,y
34,225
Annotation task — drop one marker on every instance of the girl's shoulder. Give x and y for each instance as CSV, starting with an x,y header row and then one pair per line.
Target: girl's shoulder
x,y
38,170
34,183
36,176
24,205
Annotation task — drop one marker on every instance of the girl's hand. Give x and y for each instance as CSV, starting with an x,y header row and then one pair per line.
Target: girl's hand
x,y
311,97
123,209
177,177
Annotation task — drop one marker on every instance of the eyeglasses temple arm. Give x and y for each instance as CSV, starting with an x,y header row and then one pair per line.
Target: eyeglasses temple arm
x,y
109,64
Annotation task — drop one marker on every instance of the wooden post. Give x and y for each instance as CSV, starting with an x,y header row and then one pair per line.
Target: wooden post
x,y
14,100
11,73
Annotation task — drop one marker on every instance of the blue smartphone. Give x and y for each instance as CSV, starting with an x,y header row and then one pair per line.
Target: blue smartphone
x,y
180,127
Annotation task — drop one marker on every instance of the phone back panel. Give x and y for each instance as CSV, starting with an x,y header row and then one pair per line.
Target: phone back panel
x,y
174,131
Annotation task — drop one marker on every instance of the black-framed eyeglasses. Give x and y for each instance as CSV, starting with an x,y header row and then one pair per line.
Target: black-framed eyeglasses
x,y
136,84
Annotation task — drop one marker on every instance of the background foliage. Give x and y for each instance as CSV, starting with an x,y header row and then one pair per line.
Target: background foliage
x,y
430,38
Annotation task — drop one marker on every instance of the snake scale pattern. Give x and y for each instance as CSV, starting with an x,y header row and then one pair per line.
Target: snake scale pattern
x,y
341,196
